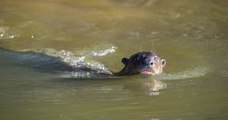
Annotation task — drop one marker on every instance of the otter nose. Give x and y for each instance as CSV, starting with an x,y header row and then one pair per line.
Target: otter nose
x,y
147,63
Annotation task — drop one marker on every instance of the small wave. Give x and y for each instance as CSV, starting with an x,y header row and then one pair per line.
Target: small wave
x,y
82,61
196,72
33,60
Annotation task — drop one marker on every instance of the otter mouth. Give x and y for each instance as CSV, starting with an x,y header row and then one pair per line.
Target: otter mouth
x,y
147,71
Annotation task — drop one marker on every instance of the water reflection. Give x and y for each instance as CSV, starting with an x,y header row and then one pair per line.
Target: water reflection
x,y
153,86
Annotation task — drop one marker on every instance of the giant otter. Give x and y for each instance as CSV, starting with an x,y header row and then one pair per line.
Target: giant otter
x,y
139,63
142,63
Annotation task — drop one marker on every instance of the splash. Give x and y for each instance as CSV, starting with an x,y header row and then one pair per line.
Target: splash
x,y
6,34
83,63
104,52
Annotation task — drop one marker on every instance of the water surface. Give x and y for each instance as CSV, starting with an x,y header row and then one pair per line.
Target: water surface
x,y
37,37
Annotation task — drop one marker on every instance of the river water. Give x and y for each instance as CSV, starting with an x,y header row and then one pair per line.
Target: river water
x,y
39,38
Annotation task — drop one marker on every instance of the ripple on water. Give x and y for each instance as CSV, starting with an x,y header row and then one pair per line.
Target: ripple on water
x,y
196,72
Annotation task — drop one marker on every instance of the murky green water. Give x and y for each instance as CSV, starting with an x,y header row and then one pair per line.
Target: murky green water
x,y
190,35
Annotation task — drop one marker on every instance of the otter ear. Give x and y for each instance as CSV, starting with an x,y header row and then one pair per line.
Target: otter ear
x,y
125,61
163,61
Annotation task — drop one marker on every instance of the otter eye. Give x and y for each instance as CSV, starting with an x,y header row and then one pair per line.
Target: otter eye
x,y
151,63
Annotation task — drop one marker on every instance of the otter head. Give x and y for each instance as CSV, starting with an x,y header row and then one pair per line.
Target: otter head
x,y
142,63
